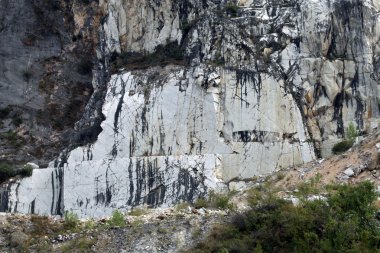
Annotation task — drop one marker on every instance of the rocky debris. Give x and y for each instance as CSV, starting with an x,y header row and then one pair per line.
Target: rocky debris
x,y
349,172
158,230
358,164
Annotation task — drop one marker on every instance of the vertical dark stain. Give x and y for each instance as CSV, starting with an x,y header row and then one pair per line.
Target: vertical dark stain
x,y
139,182
132,144
32,206
53,193
108,189
131,187
156,196
4,197
119,108
243,78
60,205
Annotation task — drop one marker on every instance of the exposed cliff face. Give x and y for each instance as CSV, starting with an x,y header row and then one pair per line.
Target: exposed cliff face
x,y
228,91
46,59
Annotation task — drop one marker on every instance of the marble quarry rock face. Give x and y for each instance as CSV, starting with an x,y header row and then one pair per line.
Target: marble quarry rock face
x,y
205,93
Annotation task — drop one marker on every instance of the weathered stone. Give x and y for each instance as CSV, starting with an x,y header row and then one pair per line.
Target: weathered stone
x,y
219,98
349,172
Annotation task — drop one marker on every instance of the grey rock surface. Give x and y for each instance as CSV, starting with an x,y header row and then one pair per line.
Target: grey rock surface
x,y
203,93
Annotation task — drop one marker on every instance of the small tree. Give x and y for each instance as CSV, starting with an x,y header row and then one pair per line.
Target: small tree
x,y
117,219
351,132
71,220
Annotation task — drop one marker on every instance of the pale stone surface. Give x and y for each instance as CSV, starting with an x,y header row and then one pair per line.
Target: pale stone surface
x,y
258,90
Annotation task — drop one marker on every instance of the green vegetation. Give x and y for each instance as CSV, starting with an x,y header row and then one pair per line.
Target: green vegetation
x,y
13,138
71,220
7,171
117,219
26,171
215,200
232,9
182,206
78,245
307,188
342,146
220,200
138,212
200,202
163,55
343,222
346,144
4,112
42,225
17,121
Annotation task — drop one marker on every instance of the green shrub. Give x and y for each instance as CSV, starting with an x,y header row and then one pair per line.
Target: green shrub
x,y
200,202
182,206
26,171
13,139
6,171
78,245
220,200
345,222
215,200
163,55
117,219
351,132
342,146
232,9
4,112
17,121
346,144
71,220
138,212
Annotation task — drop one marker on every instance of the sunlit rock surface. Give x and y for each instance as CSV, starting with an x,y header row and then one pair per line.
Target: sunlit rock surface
x,y
258,86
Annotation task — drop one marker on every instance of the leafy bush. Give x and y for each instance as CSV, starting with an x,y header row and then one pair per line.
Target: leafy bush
x,y
215,200
351,132
13,138
182,206
71,220
232,9
220,200
342,146
346,144
17,121
163,55
4,112
345,222
200,202
138,212
26,171
42,225
117,219
6,171
78,245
